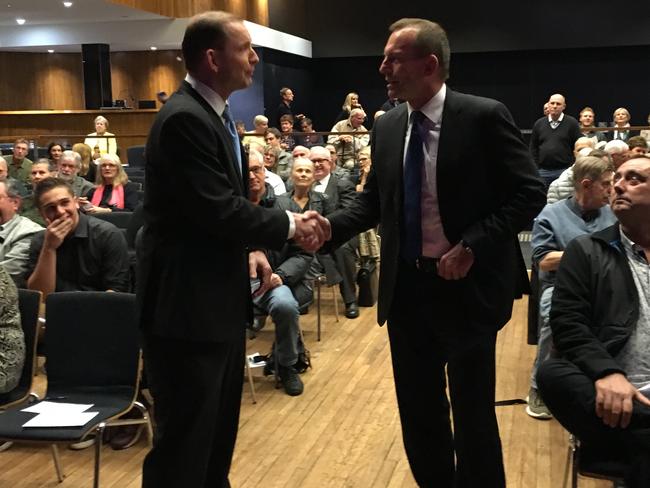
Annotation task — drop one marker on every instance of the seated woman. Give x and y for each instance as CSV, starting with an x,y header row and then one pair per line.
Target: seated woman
x,y
310,138
276,159
54,151
114,193
287,141
12,340
100,140
621,126
88,167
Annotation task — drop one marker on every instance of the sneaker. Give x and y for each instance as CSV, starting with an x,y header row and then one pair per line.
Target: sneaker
x,y
536,407
291,381
86,443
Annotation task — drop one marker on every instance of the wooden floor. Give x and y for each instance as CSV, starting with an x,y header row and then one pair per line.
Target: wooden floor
x,y
342,432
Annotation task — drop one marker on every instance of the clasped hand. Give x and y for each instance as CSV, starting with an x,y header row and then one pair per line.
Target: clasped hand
x,y
312,230
614,400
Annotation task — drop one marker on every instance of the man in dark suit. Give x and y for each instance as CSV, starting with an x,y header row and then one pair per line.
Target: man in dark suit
x,y
449,212
193,290
341,194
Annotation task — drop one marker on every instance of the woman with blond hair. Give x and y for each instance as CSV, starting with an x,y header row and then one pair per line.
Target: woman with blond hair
x,y
114,192
101,139
88,167
621,126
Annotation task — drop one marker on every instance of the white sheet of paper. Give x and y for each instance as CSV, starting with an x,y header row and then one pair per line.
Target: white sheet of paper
x,y
61,419
51,407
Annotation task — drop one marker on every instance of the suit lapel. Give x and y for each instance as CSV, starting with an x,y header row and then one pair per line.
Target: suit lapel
x,y
450,134
395,159
233,173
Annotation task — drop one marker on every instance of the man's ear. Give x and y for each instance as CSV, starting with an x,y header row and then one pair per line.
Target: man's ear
x,y
432,65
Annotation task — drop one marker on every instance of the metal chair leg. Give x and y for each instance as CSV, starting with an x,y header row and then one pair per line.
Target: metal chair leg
x,y
249,374
336,303
99,436
57,462
146,417
318,311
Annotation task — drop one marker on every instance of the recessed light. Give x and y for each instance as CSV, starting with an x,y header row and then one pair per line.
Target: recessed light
x,y
50,51
178,58
20,21
67,4
153,48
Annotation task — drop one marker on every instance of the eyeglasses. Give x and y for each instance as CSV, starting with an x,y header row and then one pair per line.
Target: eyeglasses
x,y
256,170
320,161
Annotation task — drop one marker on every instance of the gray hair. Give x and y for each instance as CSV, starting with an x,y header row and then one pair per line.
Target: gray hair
x,y
12,188
72,156
101,118
255,154
590,168
260,119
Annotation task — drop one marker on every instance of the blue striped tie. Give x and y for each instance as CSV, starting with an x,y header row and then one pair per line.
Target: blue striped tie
x,y
232,130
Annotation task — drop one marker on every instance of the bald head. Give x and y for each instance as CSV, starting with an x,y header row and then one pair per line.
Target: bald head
x,y
556,105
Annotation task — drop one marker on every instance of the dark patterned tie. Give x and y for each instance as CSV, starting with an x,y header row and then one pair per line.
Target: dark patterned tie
x,y
413,164
232,130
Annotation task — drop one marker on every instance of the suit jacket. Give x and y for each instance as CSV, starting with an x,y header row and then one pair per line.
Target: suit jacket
x,y
488,190
194,280
341,192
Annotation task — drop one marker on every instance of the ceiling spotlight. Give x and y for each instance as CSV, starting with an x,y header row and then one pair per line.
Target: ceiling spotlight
x,y
153,48
67,4
50,51
20,21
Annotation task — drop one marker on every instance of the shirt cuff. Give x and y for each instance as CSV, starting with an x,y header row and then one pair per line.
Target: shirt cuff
x,y
292,224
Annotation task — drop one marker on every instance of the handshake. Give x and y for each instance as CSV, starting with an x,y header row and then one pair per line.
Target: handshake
x,y
312,230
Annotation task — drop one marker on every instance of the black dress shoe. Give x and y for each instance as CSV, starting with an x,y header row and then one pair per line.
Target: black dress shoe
x,y
291,381
351,310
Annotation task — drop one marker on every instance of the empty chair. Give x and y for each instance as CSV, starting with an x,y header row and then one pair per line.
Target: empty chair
x,y
135,156
93,357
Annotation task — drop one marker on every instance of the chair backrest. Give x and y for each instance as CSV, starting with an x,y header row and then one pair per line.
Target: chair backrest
x,y
92,339
28,303
136,222
135,156
120,220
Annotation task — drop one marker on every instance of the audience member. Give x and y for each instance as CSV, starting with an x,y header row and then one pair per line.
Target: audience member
x,y
552,139
368,242
338,170
348,145
68,168
621,126
290,266
637,145
300,152
18,163
75,251
54,151
102,139
287,141
4,176
283,159
341,194
261,123
40,171
587,117
240,127
600,318
16,233
618,150
12,340
162,97
389,104
557,225
254,156
310,139
114,192
88,169
562,186
351,102
286,95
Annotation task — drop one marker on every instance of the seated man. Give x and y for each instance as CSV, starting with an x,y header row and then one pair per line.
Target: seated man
x,y
16,233
290,266
283,160
254,156
4,176
67,168
39,171
562,187
600,318
75,251
557,225
19,164
342,194
637,146
348,145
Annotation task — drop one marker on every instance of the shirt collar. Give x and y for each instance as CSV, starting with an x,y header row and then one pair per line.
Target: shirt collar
x,y
559,119
631,248
324,181
9,224
432,110
215,101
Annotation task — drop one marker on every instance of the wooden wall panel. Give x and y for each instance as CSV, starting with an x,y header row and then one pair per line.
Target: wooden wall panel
x,y
139,75
41,81
254,10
